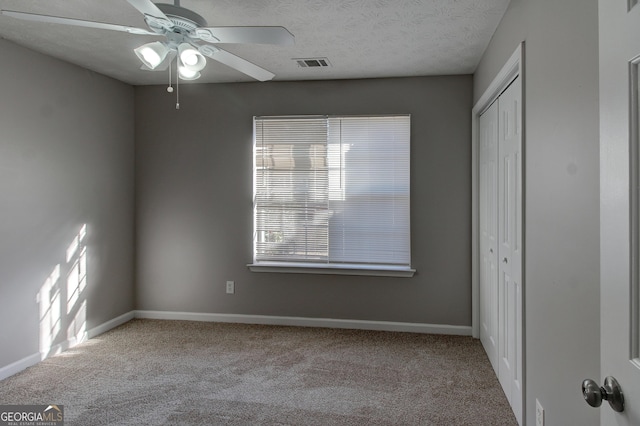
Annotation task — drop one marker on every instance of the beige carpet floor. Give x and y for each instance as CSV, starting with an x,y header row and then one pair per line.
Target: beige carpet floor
x,y
150,372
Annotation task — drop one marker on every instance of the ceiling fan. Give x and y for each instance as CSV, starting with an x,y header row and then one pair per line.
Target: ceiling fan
x,y
184,32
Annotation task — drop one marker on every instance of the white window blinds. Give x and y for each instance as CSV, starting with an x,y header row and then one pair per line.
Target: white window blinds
x,y
332,190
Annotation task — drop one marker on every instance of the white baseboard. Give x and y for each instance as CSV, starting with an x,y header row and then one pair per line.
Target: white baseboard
x,y
102,328
16,367
309,322
33,359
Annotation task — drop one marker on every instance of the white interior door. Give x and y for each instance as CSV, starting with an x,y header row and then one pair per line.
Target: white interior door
x,y
510,245
619,24
500,239
488,229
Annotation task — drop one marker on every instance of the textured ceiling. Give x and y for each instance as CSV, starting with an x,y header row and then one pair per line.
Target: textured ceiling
x,y
361,38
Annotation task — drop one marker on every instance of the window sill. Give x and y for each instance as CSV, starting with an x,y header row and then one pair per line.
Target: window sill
x,y
311,268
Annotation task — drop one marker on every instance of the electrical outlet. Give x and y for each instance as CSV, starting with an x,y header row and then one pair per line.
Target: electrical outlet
x,y
231,287
539,414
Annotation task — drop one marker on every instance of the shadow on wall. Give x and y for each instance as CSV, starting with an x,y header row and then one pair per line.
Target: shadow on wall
x,y
62,300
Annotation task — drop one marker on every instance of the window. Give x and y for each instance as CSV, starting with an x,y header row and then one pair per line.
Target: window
x,y
332,192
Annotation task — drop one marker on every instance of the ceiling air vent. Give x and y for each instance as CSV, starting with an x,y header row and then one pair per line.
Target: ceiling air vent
x,y
312,62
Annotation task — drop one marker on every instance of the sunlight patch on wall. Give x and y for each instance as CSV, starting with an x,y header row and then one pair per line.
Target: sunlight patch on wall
x,y
77,279
49,300
65,307
76,332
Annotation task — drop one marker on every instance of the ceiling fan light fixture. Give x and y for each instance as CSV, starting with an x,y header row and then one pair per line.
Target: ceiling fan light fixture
x,y
152,54
187,74
191,58
183,30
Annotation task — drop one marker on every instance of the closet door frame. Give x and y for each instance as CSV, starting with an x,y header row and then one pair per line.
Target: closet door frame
x,y
512,69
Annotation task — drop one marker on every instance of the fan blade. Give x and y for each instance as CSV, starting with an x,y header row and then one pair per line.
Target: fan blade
x,y
236,62
150,10
77,22
258,35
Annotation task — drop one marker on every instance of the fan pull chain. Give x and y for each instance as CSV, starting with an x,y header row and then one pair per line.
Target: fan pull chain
x,y
177,87
170,89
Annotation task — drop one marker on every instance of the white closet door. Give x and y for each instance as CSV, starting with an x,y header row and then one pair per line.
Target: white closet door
x,y
488,226
510,245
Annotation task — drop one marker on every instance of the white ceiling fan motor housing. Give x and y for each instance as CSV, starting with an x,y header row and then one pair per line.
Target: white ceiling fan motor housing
x,y
184,20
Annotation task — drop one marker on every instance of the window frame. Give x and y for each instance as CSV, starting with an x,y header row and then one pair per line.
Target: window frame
x,y
363,269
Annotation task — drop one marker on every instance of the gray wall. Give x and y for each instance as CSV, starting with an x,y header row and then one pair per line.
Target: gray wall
x,y
562,198
66,159
194,201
